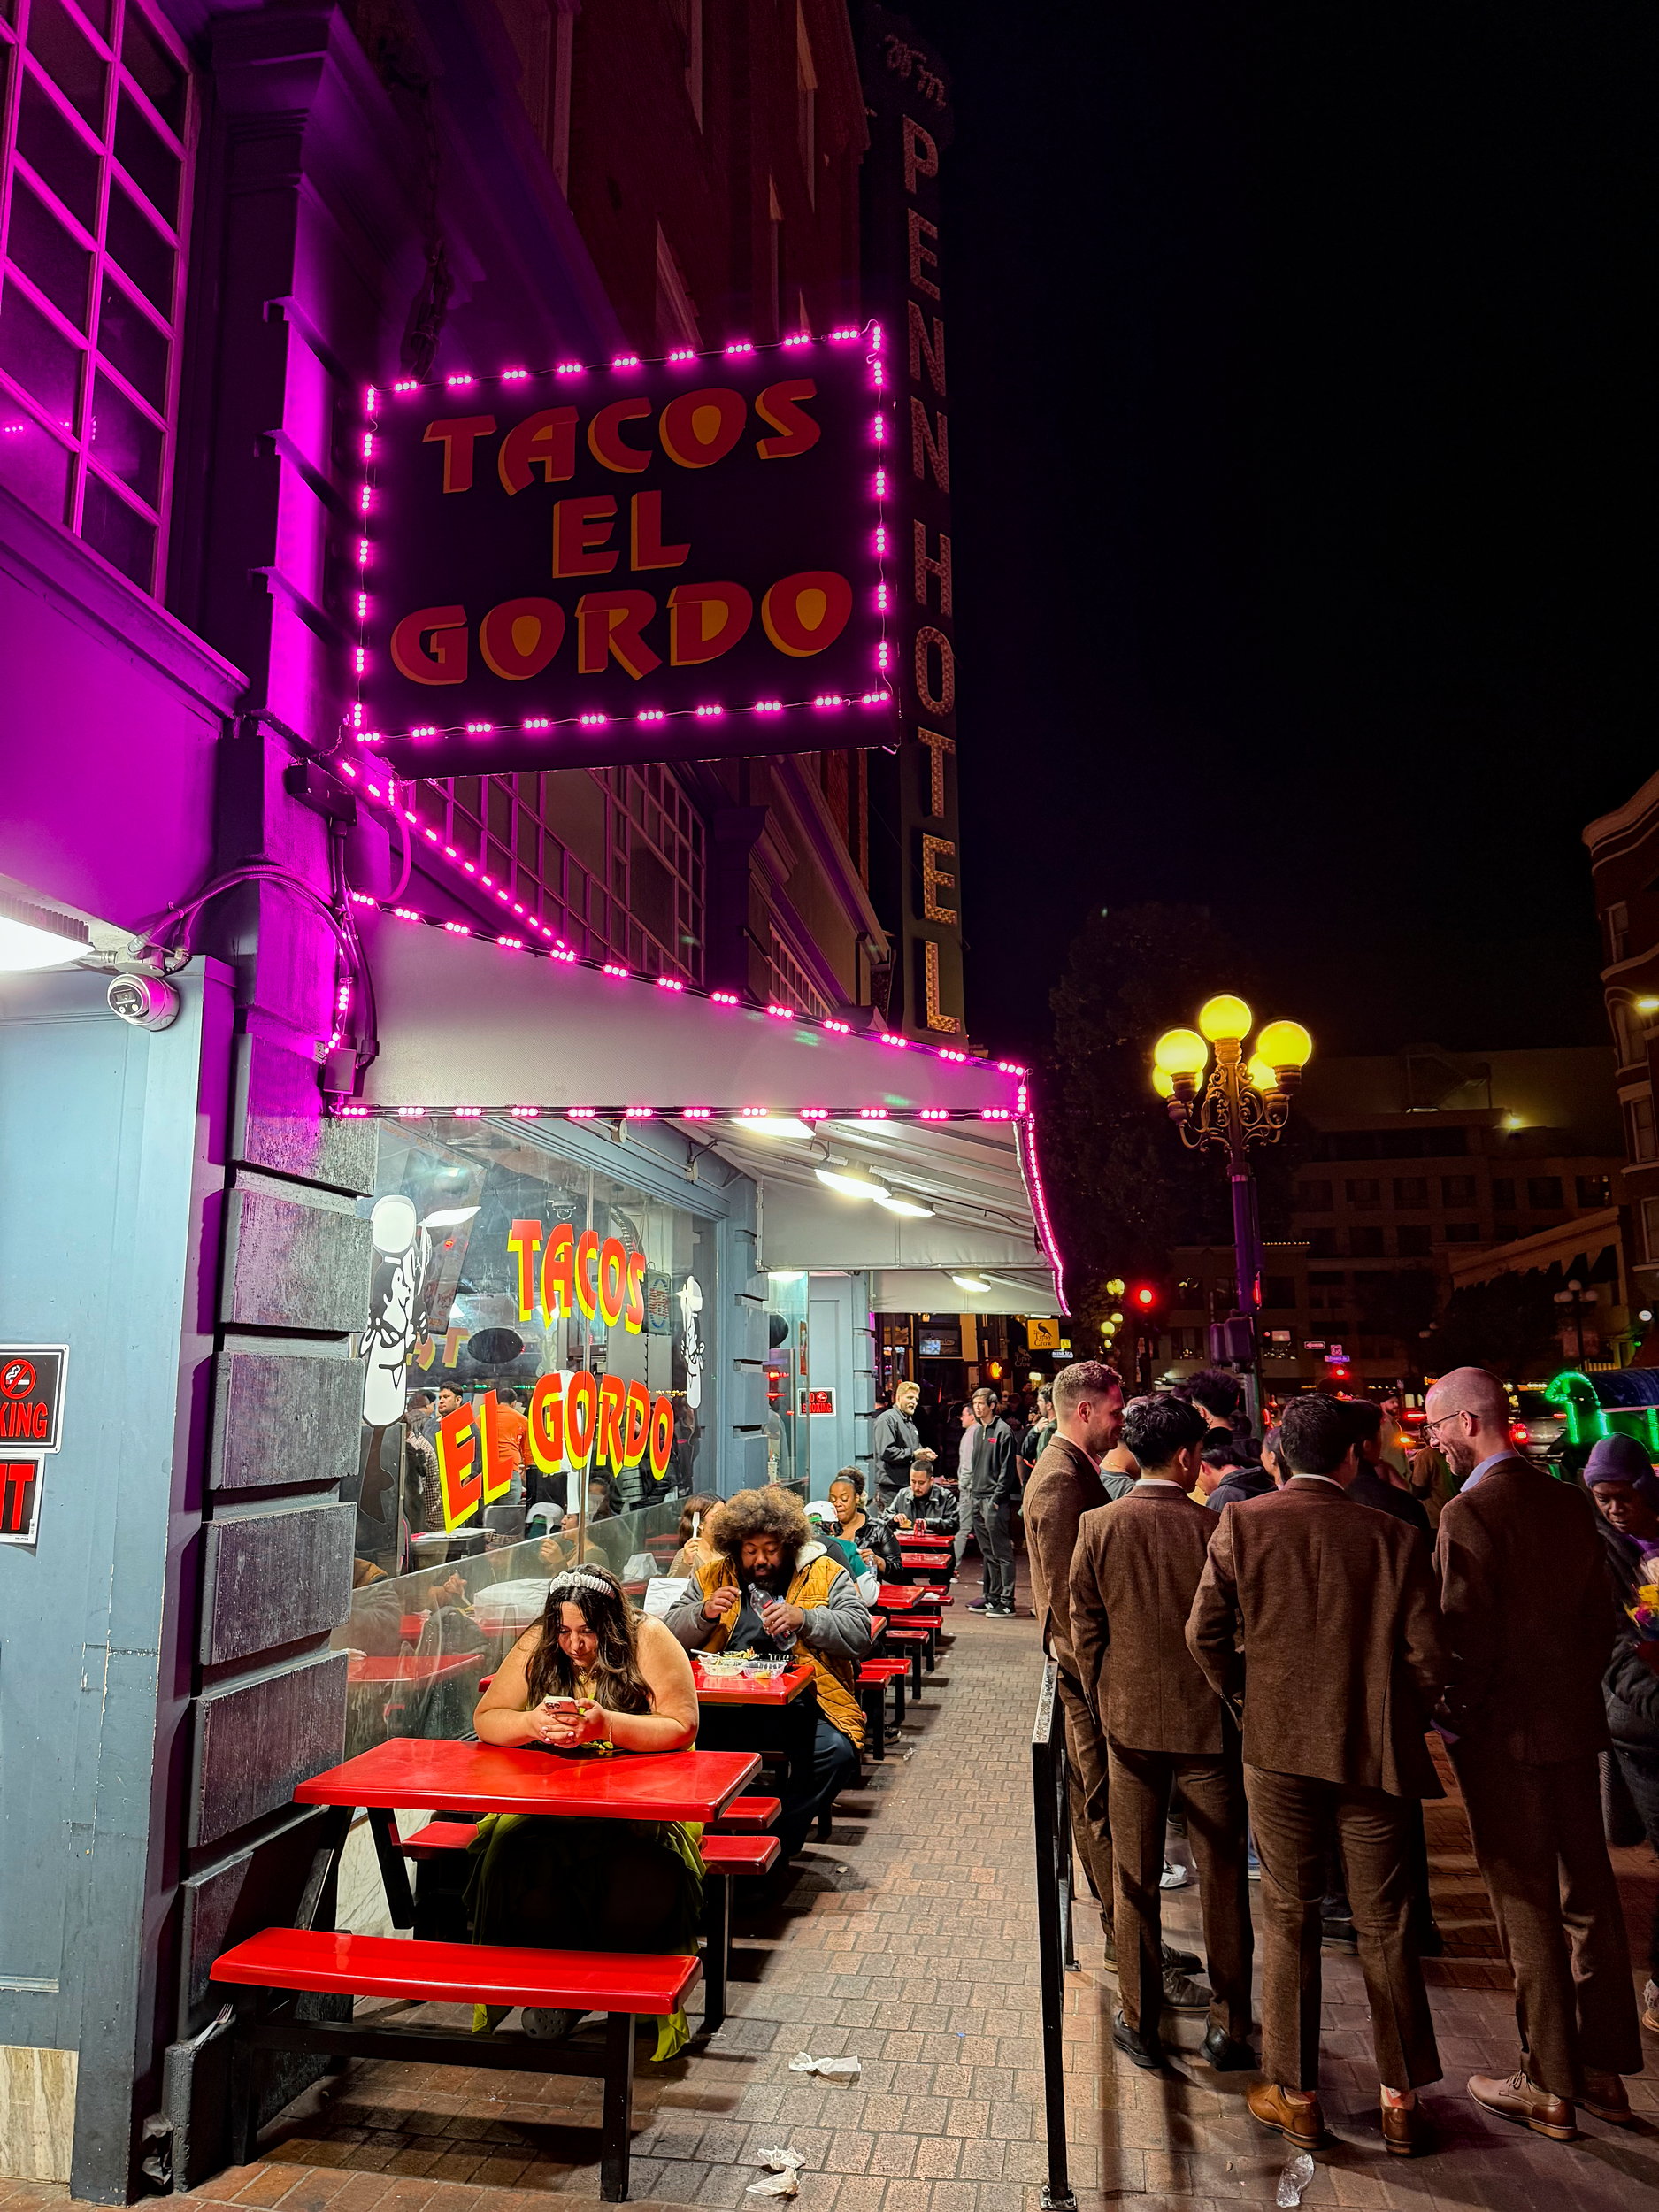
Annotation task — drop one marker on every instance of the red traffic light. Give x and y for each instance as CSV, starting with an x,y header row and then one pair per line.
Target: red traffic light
x,y
1145,1295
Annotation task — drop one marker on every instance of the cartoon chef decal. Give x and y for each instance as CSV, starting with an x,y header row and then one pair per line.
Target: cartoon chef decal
x,y
690,1297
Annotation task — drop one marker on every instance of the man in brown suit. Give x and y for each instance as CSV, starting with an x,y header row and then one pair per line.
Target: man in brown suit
x,y
1065,1483
1530,1621
1133,1576
1324,1614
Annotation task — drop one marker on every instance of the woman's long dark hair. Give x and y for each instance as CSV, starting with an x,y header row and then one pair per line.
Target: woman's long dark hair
x,y
618,1686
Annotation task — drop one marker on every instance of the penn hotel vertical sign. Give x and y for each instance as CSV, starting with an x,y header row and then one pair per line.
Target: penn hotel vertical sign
x,y
907,93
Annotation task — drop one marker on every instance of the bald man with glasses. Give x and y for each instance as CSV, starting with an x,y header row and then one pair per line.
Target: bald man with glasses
x,y
1529,1619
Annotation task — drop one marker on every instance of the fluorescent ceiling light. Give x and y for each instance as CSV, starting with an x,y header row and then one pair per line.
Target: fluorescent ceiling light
x,y
970,1282
35,937
449,1217
785,1274
908,1208
773,1125
851,1182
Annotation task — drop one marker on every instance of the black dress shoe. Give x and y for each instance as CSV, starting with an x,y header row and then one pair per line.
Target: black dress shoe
x,y
1140,2051
1225,2056
1182,1961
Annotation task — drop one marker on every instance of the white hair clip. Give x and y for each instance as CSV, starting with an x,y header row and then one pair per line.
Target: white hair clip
x,y
579,1579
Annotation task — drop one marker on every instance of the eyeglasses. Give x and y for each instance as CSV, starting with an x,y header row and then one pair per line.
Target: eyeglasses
x,y
1440,1420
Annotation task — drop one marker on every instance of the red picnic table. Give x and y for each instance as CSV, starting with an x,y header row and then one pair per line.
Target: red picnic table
x,y
766,1691
775,1714
438,1775
410,1666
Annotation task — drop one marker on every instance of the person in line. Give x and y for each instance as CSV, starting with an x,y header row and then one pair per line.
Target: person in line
x,y
592,1675
1431,1481
1529,1620
1214,1463
771,1588
1135,1574
1319,1619
1219,1397
1251,1478
1067,1484
927,1504
695,1547
870,1535
993,1492
1377,1485
897,1442
1036,1440
1626,1494
1119,1470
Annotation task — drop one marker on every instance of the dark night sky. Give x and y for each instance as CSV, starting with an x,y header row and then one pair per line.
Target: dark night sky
x,y
1302,368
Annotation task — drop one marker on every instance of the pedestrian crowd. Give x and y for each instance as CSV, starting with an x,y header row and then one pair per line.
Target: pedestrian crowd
x,y
1262,1647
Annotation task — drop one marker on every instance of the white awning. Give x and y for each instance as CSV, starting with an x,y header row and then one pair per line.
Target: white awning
x,y
469,1023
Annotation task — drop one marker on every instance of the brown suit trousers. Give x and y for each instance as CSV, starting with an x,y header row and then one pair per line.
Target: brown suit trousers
x,y
1297,1820
1211,1784
1085,1755
1539,1837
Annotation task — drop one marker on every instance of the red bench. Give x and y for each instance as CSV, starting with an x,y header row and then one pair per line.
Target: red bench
x,y
726,1858
747,1815
619,1985
917,1645
875,1677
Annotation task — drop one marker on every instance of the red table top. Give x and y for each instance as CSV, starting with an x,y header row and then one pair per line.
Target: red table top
x,y
435,1666
907,1542
458,1777
765,1690
901,1597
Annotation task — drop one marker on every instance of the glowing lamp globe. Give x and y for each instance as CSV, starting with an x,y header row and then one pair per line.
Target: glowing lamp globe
x,y
1262,1073
1285,1045
1162,1083
1181,1052
1224,1019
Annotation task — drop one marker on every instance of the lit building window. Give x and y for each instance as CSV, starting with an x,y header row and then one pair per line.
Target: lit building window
x,y
94,159
791,985
610,859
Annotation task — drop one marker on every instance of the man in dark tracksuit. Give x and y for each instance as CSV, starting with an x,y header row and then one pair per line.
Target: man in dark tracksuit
x,y
993,1491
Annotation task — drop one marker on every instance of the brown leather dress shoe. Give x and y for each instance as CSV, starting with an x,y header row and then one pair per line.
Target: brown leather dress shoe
x,y
1513,2097
1606,2096
1295,2115
1405,2131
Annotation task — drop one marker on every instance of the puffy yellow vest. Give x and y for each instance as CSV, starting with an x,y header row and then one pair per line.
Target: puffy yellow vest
x,y
837,1677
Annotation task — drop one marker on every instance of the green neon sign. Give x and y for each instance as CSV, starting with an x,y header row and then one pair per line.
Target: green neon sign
x,y
1588,1419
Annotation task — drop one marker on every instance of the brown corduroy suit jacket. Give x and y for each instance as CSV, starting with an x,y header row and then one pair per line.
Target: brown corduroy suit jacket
x,y
1342,1652
1134,1576
1530,1615
1064,1486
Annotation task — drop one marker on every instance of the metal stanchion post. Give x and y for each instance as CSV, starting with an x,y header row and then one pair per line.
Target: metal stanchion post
x,y
1051,1804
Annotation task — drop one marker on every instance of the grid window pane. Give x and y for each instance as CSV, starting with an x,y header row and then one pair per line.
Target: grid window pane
x,y
38,355
69,58
56,150
46,253
111,528
128,338
80,242
152,164
34,464
125,440
140,250
158,75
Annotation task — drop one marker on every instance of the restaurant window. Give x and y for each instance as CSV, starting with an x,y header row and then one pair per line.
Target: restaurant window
x,y
1544,1191
95,129
1412,1190
611,860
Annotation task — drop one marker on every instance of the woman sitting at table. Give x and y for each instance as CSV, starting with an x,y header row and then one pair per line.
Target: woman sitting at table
x,y
593,1678
695,1549
870,1534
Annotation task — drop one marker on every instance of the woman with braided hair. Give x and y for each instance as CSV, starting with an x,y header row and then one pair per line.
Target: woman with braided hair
x,y
594,1679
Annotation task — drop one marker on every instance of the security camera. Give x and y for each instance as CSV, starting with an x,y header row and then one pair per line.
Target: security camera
x,y
143,999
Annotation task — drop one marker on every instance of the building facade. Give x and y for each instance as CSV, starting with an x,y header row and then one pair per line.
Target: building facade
x,y
1624,848
293,1160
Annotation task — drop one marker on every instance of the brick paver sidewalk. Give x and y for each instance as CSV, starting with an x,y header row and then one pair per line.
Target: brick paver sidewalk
x,y
908,1941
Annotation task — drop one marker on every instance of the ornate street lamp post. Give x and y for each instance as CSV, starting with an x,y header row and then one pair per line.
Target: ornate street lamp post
x,y
1229,1107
